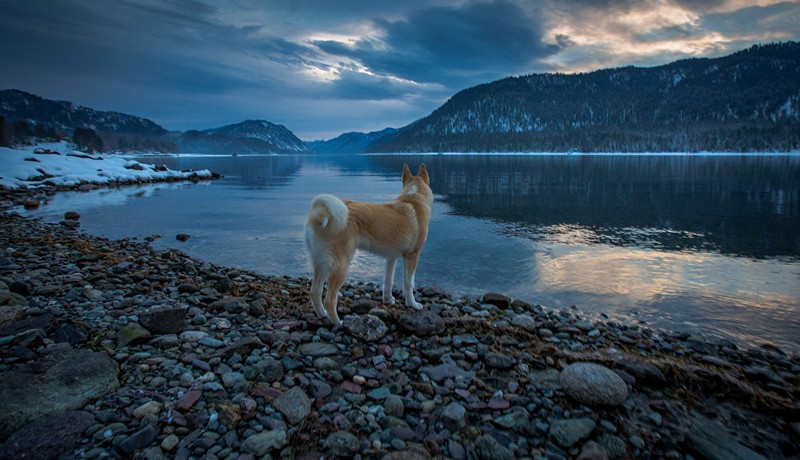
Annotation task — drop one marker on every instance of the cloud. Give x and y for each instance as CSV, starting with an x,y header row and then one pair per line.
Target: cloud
x,y
652,32
450,45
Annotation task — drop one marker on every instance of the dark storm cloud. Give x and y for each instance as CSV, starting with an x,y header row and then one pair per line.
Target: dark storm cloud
x,y
451,45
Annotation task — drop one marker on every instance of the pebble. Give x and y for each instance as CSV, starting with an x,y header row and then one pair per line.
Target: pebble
x,y
469,378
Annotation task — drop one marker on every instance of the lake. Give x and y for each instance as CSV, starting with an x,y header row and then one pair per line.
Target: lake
x,y
704,244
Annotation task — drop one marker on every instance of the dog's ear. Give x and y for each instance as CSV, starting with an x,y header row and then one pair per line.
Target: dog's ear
x,y
423,173
406,174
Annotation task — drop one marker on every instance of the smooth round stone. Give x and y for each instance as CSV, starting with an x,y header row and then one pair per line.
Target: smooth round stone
x,y
193,336
593,385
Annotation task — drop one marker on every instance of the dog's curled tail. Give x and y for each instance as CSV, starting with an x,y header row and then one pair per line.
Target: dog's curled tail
x,y
328,215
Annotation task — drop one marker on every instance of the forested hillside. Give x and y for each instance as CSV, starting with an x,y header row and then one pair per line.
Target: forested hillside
x,y
748,101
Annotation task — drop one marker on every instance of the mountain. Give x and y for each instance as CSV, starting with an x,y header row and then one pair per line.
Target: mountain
x,y
119,131
352,142
250,136
748,101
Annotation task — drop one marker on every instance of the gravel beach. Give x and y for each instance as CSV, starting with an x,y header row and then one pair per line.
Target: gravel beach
x,y
112,349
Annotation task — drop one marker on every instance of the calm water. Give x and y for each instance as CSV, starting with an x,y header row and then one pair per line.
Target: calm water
x,y
707,245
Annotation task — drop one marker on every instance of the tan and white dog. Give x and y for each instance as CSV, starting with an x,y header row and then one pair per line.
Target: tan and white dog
x,y
336,228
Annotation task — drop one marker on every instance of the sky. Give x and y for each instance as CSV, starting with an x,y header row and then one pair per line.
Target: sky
x,y
325,67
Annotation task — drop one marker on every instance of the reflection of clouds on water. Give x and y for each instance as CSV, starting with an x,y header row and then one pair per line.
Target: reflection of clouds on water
x,y
652,238
62,202
710,288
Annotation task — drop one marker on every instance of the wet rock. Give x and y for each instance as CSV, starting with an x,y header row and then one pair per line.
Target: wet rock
x,y
644,372
192,336
439,373
182,237
188,400
435,291
164,320
453,416
422,323
20,287
486,447
132,333
368,328
71,332
499,361
411,453
51,436
61,381
139,440
712,441
263,443
228,414
317,349
342,444
31,204
148,408
516,419
592,451
567,433
525,322
393,405
44,322
272,370
593,384
294,405
546,378
497,299
762,374
614,446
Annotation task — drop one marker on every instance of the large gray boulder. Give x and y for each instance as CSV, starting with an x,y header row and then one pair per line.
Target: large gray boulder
x,y
62,381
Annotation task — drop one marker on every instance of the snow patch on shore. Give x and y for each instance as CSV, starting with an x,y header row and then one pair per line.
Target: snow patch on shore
x,y
59,163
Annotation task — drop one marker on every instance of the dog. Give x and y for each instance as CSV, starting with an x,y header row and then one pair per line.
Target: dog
x,y
336,228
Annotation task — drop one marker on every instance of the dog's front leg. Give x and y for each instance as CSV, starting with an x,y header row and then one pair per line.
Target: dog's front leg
x,y
388,279
409,268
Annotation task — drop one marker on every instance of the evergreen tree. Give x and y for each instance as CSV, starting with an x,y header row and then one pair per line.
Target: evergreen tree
x,y
88,140
21,132
3,139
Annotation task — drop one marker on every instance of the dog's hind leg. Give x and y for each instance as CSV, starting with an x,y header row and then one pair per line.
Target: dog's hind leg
x,y
335,282
388,279
409,268
316,290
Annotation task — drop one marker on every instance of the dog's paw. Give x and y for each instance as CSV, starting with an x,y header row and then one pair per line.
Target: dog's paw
x,y
414,304
389,300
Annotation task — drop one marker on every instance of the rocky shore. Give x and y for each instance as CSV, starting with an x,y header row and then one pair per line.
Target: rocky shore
x,y
111,349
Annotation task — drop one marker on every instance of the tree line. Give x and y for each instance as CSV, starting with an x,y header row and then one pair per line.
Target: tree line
x,y
20,132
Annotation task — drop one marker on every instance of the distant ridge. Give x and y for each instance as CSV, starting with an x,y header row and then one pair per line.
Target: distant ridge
x,y
748,101
247,137
119,131
123,132
353,142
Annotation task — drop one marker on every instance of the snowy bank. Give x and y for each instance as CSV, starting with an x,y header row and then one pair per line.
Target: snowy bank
x,y
58,164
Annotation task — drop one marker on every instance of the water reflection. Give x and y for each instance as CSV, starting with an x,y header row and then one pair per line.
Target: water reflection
x,y
253,171
741,205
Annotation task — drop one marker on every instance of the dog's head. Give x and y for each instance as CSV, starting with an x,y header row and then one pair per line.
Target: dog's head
x,y
419,183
